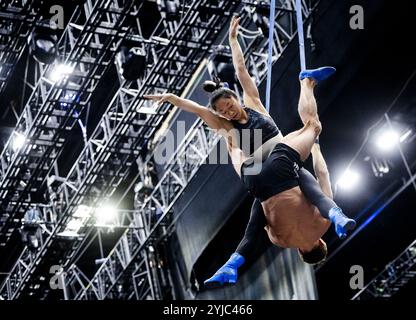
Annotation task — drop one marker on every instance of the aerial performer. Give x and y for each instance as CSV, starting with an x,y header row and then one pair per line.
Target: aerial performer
x,y
290,204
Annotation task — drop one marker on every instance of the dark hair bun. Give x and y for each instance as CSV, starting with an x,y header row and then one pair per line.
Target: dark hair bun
x,y
210,86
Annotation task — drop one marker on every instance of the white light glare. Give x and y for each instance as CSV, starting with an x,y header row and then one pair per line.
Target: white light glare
x,y
74,225
348,180
61,71
388,140
82,212
105,214
18,141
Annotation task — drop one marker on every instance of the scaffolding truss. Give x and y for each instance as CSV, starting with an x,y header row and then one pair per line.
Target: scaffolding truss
x,y
17,21
90,41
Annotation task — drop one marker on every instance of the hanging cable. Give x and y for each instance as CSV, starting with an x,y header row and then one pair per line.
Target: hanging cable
x,y
300,35
269,62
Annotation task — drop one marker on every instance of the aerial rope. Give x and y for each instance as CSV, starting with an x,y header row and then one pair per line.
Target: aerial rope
x,y
299,21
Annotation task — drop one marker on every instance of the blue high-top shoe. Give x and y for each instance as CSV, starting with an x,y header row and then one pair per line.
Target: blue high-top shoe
x,y
342,223
227,274
317,74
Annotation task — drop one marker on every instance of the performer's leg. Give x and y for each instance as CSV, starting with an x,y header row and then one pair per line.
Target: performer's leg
x,y
312,190
307,106
303,139
254,241
255,238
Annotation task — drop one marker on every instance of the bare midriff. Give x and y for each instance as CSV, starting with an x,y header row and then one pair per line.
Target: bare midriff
x,y
293,221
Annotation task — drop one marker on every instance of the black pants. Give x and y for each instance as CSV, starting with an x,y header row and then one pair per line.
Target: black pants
x,y
255,237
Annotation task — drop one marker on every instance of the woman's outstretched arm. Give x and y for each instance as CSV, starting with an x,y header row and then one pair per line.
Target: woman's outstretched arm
x,y
210,118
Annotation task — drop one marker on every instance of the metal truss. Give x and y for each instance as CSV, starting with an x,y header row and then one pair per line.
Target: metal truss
x,y
142,281
90,41
115,273
90,49
394,277
143,289
17,20
126,127
134,244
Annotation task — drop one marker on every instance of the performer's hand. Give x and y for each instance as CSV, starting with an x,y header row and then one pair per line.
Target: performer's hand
x,y
234,28
159,98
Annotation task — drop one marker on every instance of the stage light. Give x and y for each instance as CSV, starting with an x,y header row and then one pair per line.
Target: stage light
x,y
132,63
43,45
261,17
220,65
348,180
60,71
388,140
209,10
18,141
169,9
105,215
380,167
69,97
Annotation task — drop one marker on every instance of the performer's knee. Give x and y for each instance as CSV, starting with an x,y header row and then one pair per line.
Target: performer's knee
x,y
316,125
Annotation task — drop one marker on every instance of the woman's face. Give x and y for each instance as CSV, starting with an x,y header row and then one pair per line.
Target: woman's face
x,y
229,108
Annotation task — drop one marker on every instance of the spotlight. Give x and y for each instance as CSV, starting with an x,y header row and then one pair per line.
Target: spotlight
x,y
169,9
380,167
18,141
261,17
208,10
43,45
132,63
348,180
388,140
69,98
105,215
220,65
61,71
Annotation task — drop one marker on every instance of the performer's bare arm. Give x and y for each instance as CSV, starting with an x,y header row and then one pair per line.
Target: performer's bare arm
x,y
251,95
